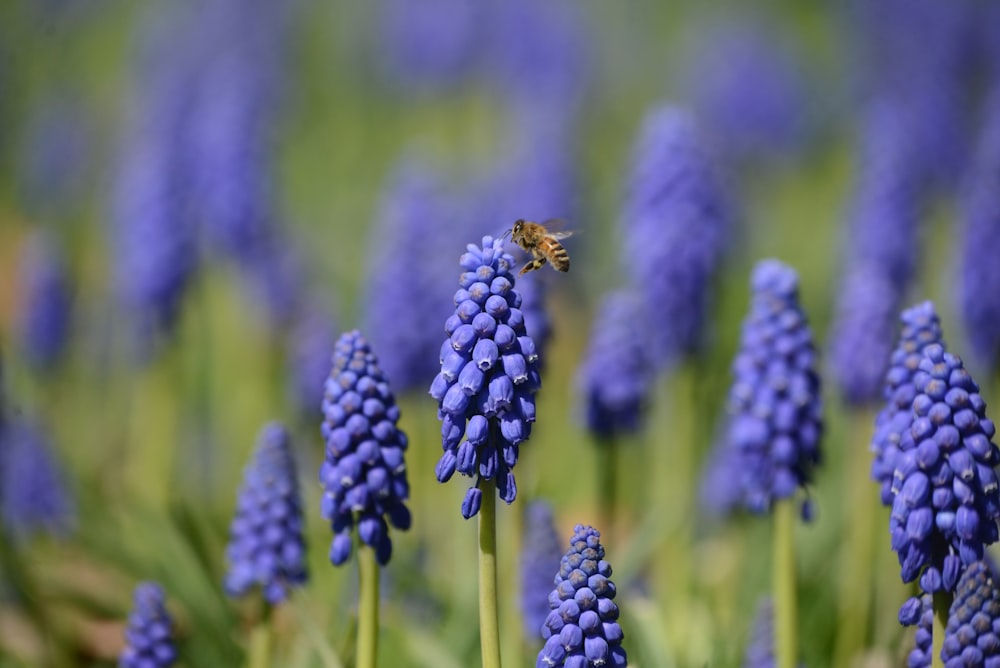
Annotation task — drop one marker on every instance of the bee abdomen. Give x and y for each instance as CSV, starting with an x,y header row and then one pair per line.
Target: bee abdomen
x,y
559,259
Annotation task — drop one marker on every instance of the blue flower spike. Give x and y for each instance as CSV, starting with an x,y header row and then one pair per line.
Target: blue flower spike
x,y
775,408
972,637
582,628
489,375
945,494
148,636
364,472
921,327
266,544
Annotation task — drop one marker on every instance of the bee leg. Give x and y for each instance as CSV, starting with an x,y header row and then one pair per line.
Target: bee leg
x,y
537,263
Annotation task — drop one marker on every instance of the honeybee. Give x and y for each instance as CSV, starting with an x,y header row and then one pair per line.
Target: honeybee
x,y
543,245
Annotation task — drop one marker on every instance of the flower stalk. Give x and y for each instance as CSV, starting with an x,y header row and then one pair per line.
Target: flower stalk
x,y
368,598
489,625
785,615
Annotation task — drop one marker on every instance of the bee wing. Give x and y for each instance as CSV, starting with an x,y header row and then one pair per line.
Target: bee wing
x,y
559,235
553,227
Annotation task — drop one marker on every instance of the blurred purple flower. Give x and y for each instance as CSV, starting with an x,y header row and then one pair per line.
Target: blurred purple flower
x,y
979,274
403,304
539,560
921,328
972,636
862,333
266,543
431,46
44,326
33,493
775,407
153,232
946,500
746,87
760,650
309,347
148,636
614,380
676,223
582,630
364,473
489,375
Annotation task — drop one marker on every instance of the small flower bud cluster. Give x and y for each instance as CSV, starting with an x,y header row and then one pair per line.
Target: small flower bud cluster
x,y
148,642
266,545
45,316
364,473
775,408
946,501
760,650
972,637
489,376
614,381
919,612
921,328
539,559
33,494
582,628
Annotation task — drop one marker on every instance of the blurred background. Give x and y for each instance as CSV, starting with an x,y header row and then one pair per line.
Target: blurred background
x,y
197,198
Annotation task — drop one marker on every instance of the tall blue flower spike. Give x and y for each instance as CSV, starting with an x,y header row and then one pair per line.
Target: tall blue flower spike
x,y
582,629
364,473
614,380
921,328
979,273
775,407
489,375
539,559
676,221
148,636
266,543
945,496
760,649
45,296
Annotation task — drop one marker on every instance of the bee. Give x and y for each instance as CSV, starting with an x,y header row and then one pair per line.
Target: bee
x,y
543,245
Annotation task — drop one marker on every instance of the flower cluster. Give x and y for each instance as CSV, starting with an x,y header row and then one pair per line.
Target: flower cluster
x,y
972,637
946,500
364,473
615,379
919,612
675,221
489,376
775,409
148,642
760,650
921,328
310,340
539,559
266,544
45,318
33,495
979,277
582,628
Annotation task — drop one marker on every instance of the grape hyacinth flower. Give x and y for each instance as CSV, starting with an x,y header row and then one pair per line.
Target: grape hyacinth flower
x,y
45,312
402,305
775,408
308,348
614,380
33,494
364,473
760,650
972,636
676,220
266,544
919,613
582,628
539,559
489,376
979,274
148,641
946,499
921,328
863,330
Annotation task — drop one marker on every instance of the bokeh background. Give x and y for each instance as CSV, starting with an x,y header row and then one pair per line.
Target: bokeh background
x,y
197,198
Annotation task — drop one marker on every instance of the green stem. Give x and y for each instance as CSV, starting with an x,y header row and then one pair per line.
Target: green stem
x,y
785,632
942,604
367,609
259,655
489,625
607,487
